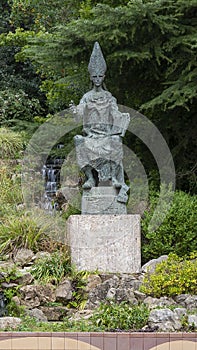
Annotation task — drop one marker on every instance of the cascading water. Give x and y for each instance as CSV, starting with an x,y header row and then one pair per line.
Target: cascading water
x,y
51,175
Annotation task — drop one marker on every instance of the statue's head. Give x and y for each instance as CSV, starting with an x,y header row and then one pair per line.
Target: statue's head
x,y
97,66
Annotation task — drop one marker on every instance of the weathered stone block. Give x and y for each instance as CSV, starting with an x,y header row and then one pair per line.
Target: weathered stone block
x,y
102,200
109,243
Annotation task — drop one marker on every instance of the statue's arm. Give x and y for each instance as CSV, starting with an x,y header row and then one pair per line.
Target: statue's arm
x,y
78,111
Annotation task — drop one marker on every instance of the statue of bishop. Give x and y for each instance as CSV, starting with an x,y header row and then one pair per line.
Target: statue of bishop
x,y
99,150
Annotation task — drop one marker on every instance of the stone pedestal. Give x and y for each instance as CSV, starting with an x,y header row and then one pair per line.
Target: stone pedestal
x,y
102,200
107,243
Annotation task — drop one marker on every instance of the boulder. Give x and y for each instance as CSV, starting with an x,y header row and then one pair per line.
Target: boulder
x,y
23,256
54,313
37,314
25,278
9,323
130,281
64,291
180,311
81,314
92,282
99,293
187,300
139,295
41,255
33,296
192,321
151,265
165,320
158,302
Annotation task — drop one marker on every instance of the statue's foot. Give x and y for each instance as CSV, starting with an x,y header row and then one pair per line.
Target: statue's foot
x,y
116,184
88,184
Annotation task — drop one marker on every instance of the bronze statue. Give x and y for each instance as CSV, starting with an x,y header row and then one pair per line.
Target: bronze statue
x,y
99,150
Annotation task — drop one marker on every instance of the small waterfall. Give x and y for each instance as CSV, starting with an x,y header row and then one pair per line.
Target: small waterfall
x,y
51,176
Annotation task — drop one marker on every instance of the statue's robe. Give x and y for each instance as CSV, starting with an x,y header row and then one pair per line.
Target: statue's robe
x,y
103,126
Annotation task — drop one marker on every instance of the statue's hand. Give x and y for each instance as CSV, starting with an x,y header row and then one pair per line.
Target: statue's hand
x,y
72,107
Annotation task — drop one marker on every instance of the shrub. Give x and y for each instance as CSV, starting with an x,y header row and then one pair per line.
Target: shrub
x,y
112,316
10,186
20,232
172,277
178,231
16,105
52,268
10,143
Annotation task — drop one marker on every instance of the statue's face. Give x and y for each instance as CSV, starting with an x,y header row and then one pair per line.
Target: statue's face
x,y
97,79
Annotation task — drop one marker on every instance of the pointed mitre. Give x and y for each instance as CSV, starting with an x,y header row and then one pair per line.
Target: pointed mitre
x,y
97,64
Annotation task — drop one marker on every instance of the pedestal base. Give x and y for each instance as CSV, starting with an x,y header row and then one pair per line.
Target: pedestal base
x,y
107,243
102,200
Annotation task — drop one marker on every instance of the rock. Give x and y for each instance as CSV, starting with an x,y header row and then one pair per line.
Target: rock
x,y
54,313
41,255
191,302
37,314
16,300
33,296
25,279
6,265
180,311
23,256
130,281
6,285
151,265
111,293
64,291
158,302
139,295
125,294
187,300
180,299
92,282
82,314
192,321
165,319
99,293
9,322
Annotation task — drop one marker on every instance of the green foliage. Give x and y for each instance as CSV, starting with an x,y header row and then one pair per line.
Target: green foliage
x,y
11,143
106,317
172,277
123,316
52,268
10,189
11,275
150,51
79,296
21,232
178,231
17,105
37,14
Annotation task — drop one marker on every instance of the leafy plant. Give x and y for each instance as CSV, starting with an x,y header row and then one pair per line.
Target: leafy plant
x,y
79,296
10,188
172,277
122,316
178,231
52,268
16,105
10,143
20,232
